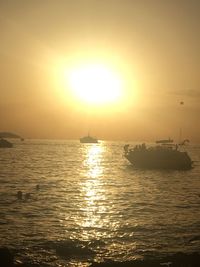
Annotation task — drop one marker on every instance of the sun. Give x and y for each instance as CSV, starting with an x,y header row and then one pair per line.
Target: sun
x,y
94,84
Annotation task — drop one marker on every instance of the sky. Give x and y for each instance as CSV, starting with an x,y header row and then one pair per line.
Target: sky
x,y
151,45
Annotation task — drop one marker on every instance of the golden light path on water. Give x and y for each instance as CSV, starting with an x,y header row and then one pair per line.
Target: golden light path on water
x,y
93,192
92,188
100,218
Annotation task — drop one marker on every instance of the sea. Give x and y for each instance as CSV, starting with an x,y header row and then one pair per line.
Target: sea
x,y
85,203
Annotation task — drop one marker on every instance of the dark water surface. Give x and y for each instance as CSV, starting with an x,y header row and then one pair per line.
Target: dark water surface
x,y
92,205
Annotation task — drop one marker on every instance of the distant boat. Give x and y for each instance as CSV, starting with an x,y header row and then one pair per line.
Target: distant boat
x,y
88,139
164,156
165,141
5,143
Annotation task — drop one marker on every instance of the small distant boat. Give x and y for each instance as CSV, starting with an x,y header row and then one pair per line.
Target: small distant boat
x,y
165,141
5,143
88,139
164,156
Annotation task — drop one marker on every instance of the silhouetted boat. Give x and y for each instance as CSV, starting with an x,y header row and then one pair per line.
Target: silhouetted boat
x,y
5,143
164,156
88,139
164,141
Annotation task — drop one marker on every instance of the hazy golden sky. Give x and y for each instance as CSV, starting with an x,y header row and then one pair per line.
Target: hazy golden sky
x,y
152,45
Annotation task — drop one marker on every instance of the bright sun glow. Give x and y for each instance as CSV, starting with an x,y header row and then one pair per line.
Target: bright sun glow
x,y
95,84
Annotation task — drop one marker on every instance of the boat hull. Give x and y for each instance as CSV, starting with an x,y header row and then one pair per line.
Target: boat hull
x,y
88,140
175,160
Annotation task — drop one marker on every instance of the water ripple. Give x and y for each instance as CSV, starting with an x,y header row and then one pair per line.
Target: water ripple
x,y
91,202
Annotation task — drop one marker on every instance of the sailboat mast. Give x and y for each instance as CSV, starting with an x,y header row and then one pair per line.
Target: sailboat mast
x,y
180,130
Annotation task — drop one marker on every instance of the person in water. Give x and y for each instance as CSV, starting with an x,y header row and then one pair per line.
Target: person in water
x,y
19,195
37,187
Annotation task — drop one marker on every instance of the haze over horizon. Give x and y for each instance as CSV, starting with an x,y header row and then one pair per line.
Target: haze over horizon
x,y
151,47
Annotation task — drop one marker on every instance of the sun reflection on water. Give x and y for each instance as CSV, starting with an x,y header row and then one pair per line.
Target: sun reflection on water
x,y
93,161
93,191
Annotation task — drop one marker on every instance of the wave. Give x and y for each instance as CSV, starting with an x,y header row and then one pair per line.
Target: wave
x,y
176,260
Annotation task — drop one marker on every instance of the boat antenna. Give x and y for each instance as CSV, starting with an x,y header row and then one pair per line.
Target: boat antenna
x,y
180,135
180,130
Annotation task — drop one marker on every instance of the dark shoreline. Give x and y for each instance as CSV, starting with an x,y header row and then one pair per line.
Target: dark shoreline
x,y
177,260
7,259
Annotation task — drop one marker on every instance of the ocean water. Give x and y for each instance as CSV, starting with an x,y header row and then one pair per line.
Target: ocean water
x,y
92,205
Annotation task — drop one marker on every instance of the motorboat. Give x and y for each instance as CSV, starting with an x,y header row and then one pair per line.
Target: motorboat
x,y
165,141
163,156
88,139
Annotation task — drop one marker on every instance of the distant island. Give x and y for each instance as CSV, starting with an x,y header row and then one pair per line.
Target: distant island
x,y
9,135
